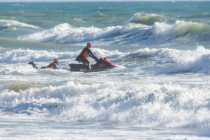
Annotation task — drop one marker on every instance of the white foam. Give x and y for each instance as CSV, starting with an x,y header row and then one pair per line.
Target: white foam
x,y
191,60
197,60
23,56
133,103
16,69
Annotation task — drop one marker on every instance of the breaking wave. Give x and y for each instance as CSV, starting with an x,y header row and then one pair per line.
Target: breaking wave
x,y
144,18
125,103
64,33
171,60
132,33
23,56
177,61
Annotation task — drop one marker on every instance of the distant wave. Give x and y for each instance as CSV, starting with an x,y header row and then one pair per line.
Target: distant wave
x,y
199,16
144,18
179,28
132,33
64,33
178,32
9,23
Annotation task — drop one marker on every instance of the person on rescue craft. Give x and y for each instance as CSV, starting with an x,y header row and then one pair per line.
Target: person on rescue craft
x,y
53,65
83,55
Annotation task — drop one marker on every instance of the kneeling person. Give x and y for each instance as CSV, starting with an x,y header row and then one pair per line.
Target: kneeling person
x,y
83,55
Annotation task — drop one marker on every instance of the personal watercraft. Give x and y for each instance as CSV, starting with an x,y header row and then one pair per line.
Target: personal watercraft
x,y
101,65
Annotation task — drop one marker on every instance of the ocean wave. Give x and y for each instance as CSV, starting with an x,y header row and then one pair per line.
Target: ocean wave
x,y
179,32
144,18
23,56
171,60
18,5
17,70
64,33
190,61
179,28
199,16
133,103
9,23
132,33
177,61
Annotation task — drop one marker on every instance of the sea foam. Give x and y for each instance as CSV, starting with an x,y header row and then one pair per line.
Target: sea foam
x,y
175,61
23,56
123,103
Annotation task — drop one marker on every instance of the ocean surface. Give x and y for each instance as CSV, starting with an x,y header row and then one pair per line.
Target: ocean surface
x,y
160,88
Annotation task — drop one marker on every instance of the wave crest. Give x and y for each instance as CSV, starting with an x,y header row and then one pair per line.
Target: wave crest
x,y
144,18
64,33
23,56
132,103
132,33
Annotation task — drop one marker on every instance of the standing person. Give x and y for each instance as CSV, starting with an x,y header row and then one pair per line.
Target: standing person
x,y
83,55
53,65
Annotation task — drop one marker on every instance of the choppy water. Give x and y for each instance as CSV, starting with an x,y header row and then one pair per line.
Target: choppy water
x,y
159,89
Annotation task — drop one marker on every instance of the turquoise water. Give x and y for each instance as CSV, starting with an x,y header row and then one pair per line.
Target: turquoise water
x,y
159,89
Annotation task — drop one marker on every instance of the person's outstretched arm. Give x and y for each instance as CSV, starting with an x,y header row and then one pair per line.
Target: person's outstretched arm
x,y
92,55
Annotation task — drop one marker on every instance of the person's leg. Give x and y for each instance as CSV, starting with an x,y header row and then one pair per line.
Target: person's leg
x,y
85,61
89,65
34,66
